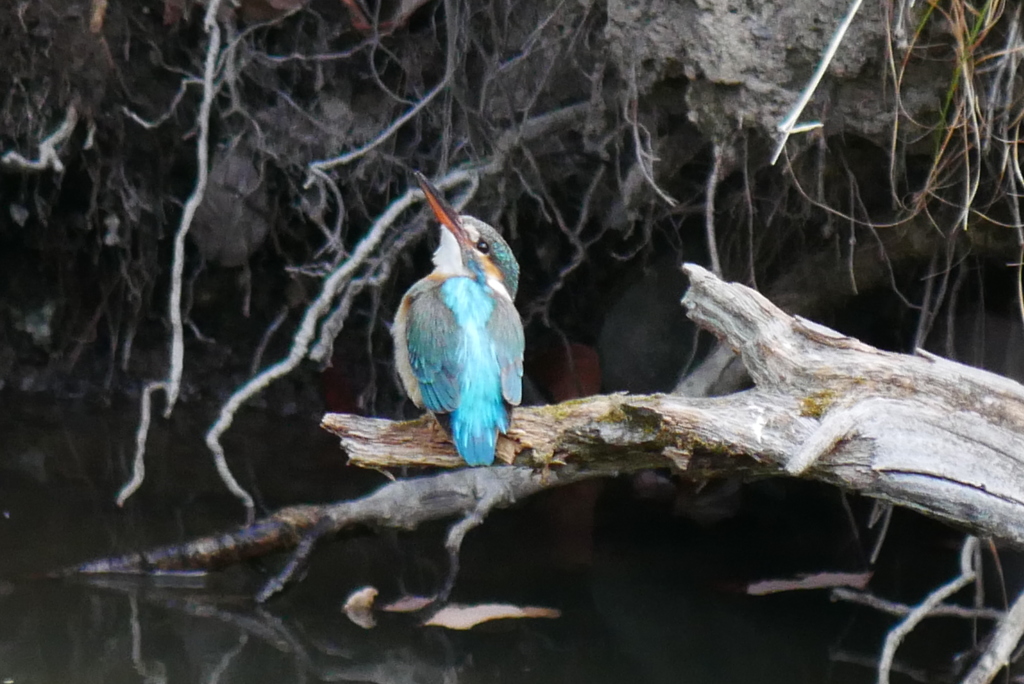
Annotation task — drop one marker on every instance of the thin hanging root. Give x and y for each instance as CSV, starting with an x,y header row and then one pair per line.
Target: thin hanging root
x,y
139,466
171,386
709,207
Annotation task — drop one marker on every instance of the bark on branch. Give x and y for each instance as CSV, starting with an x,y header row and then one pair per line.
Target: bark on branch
x,y
920,431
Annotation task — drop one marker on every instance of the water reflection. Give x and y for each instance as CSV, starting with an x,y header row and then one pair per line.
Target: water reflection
x,y
641,600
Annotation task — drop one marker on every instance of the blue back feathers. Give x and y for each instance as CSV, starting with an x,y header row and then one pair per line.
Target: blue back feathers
x,y
481,412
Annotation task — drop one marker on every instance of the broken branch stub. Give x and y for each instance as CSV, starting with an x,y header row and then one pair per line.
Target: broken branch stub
x,y
920,431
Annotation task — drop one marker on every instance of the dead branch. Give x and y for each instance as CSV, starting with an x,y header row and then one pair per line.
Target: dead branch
x,y
901,609
927,607
789,125
1000,650
403,504
918,431
810,286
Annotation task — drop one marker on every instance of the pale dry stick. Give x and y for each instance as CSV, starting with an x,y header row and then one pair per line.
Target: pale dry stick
x,y
788,126
899,609
49,156
314,312
171,386
1001,646
709,208
926,608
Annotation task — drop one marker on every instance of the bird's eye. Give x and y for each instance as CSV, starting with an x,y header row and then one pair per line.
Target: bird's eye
x,y
483,247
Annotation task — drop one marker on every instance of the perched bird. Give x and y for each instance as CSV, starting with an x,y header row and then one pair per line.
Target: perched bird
x,y
458,337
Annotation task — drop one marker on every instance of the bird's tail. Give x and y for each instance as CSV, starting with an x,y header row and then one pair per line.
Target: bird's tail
x,y
476,433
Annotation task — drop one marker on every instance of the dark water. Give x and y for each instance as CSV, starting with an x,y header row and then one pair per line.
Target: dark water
x,y
645,596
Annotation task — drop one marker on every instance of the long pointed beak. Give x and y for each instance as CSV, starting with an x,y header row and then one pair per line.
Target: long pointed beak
x,y
444,212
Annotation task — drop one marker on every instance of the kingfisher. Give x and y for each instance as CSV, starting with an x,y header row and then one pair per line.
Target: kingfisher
x,y
458,337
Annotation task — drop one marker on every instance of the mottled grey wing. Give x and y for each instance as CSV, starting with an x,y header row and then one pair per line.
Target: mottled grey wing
x,y
433,348
506,329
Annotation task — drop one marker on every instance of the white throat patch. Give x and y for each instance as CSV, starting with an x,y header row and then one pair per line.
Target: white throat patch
x,y
448,256
499,288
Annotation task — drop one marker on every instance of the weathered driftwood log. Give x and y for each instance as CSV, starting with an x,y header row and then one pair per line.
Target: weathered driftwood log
x,y
920,431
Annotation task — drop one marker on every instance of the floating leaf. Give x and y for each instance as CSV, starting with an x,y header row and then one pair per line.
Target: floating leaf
x,y
409,604
359,607
454,616
820,580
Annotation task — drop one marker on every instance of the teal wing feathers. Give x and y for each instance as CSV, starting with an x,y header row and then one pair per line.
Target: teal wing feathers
x,y
433,345
506,330
461,356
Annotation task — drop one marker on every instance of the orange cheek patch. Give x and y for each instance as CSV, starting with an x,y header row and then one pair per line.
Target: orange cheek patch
x,y
491,271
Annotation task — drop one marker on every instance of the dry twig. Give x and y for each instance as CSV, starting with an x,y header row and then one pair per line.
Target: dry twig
x,y
927,608
789,126
1001,646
